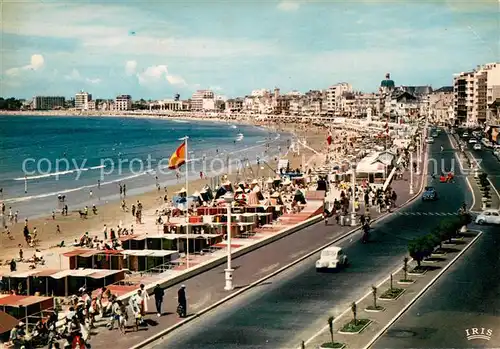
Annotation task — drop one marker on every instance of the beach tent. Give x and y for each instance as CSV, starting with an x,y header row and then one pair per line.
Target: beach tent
x,y
220,192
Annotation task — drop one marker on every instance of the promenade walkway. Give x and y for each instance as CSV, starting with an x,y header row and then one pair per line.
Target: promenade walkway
x,y
205,289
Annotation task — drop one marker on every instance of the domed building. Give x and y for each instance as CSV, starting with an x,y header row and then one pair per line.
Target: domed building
x,y
387,84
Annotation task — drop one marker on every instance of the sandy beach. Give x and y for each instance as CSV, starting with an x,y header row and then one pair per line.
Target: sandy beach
x,y
72,226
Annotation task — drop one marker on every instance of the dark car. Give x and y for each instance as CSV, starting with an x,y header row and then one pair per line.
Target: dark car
x,y
429,194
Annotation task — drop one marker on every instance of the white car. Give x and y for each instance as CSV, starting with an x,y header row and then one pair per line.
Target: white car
x,y
465,135
491,216
477,146
472,140
429,140
331,258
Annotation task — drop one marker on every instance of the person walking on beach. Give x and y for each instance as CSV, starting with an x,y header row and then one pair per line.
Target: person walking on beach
x,y
105,232
124,190
98,184
16,215
58,230
133,210
90,194
121,189
11,216
159,294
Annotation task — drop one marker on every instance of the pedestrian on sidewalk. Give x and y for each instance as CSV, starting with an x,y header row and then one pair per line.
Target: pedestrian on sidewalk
x,y
144,300
159,294
181,298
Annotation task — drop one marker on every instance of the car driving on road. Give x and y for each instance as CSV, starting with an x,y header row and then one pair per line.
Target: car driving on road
x,y
491,216
477,146
429,194
331,258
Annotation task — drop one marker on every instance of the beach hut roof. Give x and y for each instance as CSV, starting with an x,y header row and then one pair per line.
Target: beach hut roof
x,y
203,191
256,189
269,180
196,193
241,183
228,182
255,181
239,190
287,181
275,194
183,190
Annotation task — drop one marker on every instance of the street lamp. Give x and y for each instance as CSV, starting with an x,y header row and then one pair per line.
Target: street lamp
x,y
419,149
353,213
228,198
411,172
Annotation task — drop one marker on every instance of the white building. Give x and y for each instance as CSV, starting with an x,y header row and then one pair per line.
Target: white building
x,y
474,91
202,99
441,105
82,100
363,101
334,96
123,102
261,93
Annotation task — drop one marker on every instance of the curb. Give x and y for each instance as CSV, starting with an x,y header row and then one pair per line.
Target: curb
x,y
166,331
429,285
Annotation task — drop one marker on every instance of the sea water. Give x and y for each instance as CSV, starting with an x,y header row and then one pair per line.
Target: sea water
x,y
72,156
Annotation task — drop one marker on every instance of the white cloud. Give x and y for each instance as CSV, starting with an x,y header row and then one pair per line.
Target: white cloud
x,y
76,76
130,67
288,6
93,81
157,39
154,74
176,80
37,62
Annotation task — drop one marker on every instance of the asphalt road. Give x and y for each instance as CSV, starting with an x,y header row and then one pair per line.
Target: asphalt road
x,y
295,304
466,296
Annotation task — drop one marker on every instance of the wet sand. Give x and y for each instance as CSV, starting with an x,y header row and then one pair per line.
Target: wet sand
x,y
111,214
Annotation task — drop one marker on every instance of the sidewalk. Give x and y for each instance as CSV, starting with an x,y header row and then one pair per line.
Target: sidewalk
x,y
205,289
380,321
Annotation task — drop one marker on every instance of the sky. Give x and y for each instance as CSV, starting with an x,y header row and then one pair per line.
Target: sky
x,y
153,49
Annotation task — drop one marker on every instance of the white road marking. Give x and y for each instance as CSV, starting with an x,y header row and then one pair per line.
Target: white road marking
x,y
268,268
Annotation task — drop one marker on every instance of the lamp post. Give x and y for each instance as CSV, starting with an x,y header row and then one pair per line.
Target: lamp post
x,y
419,149
228,198
353,213
411,172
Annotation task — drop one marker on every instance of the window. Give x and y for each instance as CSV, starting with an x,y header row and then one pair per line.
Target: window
x,y
494,214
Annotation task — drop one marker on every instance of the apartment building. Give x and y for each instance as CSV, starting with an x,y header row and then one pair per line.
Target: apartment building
x,y
234,105
82,100
474,91
441,105
123,102
48,102
334,95
365,101
203,100
463,91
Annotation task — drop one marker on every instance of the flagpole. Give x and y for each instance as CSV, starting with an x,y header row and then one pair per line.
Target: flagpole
x,y
187,202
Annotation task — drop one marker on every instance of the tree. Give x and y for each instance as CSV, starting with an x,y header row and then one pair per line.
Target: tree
x,y
421,247
374,294
405,267
330,327
354,309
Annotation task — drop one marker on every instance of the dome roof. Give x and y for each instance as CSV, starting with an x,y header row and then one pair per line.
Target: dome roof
x,y
387,83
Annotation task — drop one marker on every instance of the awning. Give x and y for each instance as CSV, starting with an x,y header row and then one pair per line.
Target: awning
x,y
7,322
101,274
61,274
77,252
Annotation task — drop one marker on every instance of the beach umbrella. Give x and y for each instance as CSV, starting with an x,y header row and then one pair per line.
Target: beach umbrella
x,y
183,190
269,180
239,190
275,194
255,182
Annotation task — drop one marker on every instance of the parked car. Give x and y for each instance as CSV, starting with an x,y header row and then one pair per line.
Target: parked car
x,y
477,146
429,193
434,134
465,135
429,140
331,258
490,216
472,140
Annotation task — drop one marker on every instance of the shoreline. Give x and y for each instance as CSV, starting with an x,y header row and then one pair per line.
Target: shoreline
x,y
111,214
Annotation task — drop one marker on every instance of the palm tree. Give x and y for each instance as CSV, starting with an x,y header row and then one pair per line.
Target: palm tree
x,y
354,309
330,327
405,267
374,293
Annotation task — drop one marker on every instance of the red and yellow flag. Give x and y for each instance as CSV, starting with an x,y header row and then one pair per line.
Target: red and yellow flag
x,y
178,158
